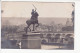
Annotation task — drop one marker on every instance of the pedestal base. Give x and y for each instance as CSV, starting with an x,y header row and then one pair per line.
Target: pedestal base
x,y
31,41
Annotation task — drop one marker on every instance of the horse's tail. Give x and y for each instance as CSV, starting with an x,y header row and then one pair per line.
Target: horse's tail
x,y
25,29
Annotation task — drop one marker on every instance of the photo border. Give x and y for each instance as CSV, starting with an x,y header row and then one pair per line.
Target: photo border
x,y
76,34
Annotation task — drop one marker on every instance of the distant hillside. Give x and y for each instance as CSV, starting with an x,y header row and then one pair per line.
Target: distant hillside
x,y
20,21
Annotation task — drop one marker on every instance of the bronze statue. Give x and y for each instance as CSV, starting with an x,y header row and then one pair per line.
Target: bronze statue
x,y
33,20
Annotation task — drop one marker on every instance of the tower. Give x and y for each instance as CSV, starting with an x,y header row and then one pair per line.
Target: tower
x,y
72,15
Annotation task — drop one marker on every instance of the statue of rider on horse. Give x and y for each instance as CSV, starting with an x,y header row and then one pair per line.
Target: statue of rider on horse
x,y
33,20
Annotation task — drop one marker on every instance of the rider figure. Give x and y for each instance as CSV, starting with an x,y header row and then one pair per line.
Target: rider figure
x,y
34,16
32,13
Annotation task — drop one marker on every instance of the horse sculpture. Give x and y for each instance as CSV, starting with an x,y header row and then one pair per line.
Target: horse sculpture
x,y
33,20
29,22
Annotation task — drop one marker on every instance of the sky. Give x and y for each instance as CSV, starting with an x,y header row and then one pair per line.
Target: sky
x,y
23,9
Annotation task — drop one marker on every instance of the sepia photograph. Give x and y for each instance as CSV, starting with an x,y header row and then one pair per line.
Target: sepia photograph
x,y
37,25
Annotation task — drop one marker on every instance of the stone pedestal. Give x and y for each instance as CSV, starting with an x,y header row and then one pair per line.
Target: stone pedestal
x,y
31,41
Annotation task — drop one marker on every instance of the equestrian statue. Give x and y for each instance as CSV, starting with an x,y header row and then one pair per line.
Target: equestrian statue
x,y
33,21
